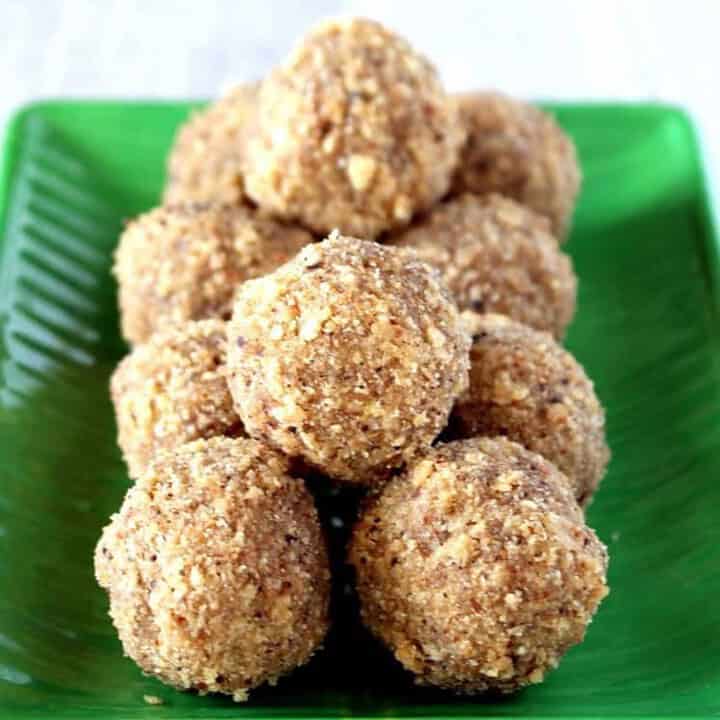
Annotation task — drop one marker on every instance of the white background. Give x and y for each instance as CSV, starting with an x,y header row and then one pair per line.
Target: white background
x,y
550,49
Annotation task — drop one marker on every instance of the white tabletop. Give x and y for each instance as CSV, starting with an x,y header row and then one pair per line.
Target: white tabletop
x,y
549,49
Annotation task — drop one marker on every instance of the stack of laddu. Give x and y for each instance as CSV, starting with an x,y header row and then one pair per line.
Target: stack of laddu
x,y
414,351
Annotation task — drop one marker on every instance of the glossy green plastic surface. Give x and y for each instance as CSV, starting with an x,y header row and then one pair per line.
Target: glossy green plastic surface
x,y
646,329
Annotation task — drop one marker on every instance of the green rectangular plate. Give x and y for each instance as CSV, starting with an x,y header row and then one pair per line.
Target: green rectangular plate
x,y
647,330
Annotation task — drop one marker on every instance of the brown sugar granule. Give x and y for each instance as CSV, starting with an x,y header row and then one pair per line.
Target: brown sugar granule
x,y
525,386
518,150
354,132
216,568
206,160
349,356
498,256
476,568
185,262
171,390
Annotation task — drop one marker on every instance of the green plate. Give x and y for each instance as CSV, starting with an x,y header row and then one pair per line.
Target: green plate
x,y
647,330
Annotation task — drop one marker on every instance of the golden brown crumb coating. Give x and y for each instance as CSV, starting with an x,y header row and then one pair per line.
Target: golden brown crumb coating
x,y
476,567
523,385
184,262
349,356
173,389
355,132
518,150
498,256
206,160
216,568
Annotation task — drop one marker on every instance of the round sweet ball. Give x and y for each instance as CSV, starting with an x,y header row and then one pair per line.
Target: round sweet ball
x,y
475,567
354,132
523,385
173,389
206,160
516,149
216,568
349,357
184,262
498,256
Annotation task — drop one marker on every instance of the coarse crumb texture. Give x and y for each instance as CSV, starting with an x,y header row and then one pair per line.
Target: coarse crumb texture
x,y
498,256
206,161
350,356
216,568
518,150
184,262
171,390
523,385
354,132
476,567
